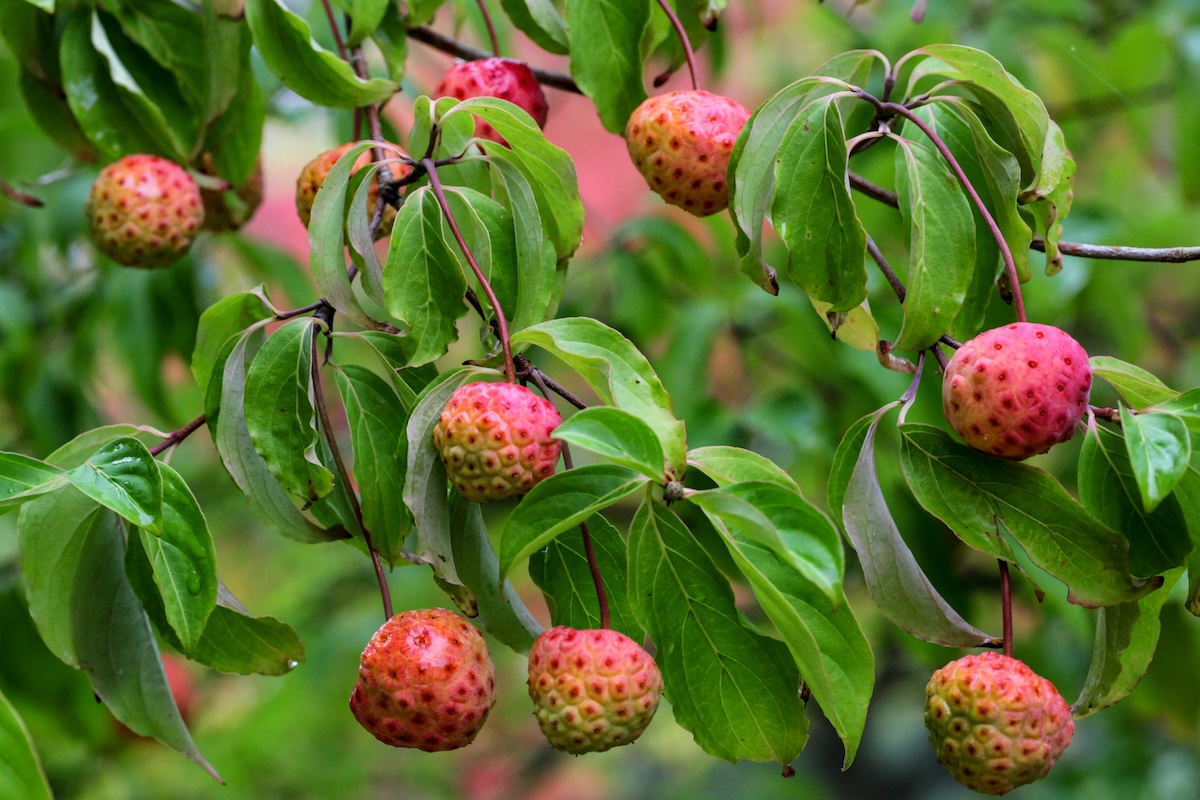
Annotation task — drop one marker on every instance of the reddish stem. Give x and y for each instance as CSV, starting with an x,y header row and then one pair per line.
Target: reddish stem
x,y
1006,607
179,435
688,53
333,27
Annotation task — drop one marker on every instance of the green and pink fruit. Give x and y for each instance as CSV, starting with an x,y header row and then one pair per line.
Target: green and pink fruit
x,y
994,723
681,142
505,78
496,440
425,680
1018,390
313,176
592,690
144,211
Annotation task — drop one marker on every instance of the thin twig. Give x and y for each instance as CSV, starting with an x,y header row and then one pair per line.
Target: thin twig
x,y
1006,607
525,369
688,53
1163,255
344,476
333,27
436,184
886,269
440,41
178,436
17,196
491,29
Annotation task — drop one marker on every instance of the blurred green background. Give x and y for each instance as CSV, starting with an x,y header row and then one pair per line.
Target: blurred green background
x,y
83,343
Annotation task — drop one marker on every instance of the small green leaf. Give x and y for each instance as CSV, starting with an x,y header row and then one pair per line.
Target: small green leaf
x,y
736,690
541,21
287,47
607,61
561,571
124,477
973,492
1185,406
618,436
941,244
221,322
535,256
894,579
559,503
1136,385
616,371
279,410
1160,449
23,478
22,777
726,465
1187,492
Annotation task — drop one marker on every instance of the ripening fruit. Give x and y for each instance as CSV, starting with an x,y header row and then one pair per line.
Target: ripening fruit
x,y
425,680
994,723
316,171
496,440
1018,390
230,210
144,211
505,78
592,690
681,142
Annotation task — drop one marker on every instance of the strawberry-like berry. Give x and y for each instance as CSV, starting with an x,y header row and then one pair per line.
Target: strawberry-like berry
x,y
496,440
144,211
994,723
316,171
592,690
1018,390
681,142
496,77
425,681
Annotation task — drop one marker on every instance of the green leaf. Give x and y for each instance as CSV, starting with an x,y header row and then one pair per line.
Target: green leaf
x,y
618,436
23,478
1185,406
813,211
941,244
219,323
266,497
501,612
736,690
541,21
378,424
1158,541
894,579
559,503
780,521
1159,449
561,571
1136,385
535,257
183,561
973,493
606,55
726,465
422,282
279,410
1126,637
487,228
365,16
123,476
22,777
1187,492
618,373
287,47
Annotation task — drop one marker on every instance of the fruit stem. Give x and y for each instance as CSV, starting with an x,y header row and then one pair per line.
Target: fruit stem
x,y
1006,606
435,183
527,370
440,41
344,476
491,29
688,53
178,436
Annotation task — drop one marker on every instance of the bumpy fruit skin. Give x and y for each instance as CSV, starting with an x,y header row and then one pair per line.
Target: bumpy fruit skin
x,y
994,723
1018,390
311,178
592,690
496,77
425,681
144,211
495,440
681,142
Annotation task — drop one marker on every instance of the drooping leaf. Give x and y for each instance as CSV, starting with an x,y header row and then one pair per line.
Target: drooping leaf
x,y
618,436
1108,487
220,322
972,492
22,778
813,211
535,257
280,415
1159,449
616,371
559,503
287,47
23,478
561,571
541,21
606,55
894,579
726,465
123,476
1136,385
733,688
